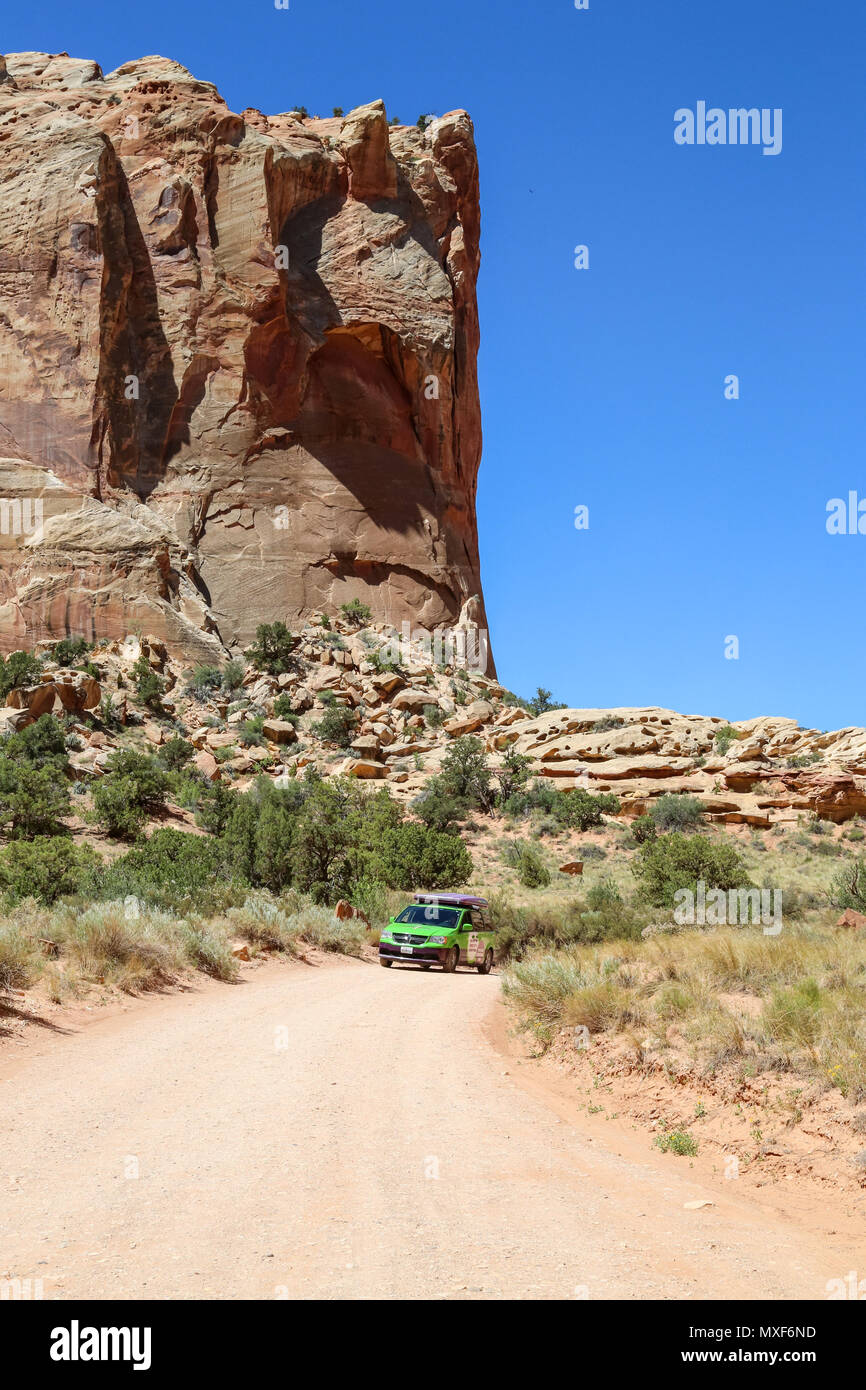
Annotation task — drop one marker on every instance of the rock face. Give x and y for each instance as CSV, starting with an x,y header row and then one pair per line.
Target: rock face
x,y
237,360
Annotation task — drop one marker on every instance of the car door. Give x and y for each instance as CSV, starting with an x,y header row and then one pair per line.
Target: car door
x,y
464,931
475,947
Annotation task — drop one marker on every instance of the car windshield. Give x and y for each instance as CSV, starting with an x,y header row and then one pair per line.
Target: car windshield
x,y
429,915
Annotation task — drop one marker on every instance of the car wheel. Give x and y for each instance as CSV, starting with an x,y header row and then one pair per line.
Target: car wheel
x,y
449,963
485,966
387,963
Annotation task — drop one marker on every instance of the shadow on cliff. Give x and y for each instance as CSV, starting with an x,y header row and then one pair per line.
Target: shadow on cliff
x,y
136,389
356,418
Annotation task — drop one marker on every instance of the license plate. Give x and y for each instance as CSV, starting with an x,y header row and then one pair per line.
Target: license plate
x,y
406,950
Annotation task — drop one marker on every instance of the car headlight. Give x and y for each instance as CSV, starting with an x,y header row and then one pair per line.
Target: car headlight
x,y
437,940
386,936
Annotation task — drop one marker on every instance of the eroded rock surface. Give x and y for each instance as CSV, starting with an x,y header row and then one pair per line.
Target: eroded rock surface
x,y
237,360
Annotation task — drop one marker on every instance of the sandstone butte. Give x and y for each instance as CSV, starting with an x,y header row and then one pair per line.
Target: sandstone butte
x,y
237,361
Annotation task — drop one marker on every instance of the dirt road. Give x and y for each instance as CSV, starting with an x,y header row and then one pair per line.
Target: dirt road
x,y
349,1132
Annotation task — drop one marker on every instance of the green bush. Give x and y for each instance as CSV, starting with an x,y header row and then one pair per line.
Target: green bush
x,y
724,738
34,800
204,681
171,869
272,651
233,676
133,787
529,863
673,812
356,611
283,709
674,862
149,687
215,805
643,829
415,857
466,773
175,754
541,703
848,888
19,668
337,725
69,650
46,868
41,744
439,808
580,810
250,733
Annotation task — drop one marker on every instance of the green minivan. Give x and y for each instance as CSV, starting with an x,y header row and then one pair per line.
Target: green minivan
x,y
447,929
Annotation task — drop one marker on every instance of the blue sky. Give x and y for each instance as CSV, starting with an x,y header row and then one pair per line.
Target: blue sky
x,y
605,387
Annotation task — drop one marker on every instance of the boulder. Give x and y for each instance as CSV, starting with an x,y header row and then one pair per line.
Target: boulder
x,y
280,731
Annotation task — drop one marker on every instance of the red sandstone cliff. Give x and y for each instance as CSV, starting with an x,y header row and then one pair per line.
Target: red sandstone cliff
x,y
237,360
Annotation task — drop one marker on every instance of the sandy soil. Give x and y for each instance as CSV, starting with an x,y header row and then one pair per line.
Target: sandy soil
x,y
341,1131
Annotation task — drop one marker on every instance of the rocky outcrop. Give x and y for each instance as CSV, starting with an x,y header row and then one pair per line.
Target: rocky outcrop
x,y
237,361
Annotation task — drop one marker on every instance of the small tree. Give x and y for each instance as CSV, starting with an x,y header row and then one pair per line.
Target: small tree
x,y
149,687
674,862
356,612
674,812
513,774
34,800
466,772
272,650
19,668
215,807
582,811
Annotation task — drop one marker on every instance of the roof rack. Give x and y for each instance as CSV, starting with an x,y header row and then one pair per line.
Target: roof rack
x,y
451,899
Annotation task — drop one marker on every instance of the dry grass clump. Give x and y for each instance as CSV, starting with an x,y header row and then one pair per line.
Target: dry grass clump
x,y
789,1002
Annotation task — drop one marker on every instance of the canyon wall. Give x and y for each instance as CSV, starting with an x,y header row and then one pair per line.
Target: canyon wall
x,y
237,361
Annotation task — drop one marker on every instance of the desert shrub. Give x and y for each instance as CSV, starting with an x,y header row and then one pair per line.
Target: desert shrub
x,y
433,716
415,857
848,888
205,951
20,962
512,775
46,868
673,812
466,773
251,732
34,800
18,668
608,722
539,795
795,1015
529,863
643,829
40,744
438,807
170,869
563,924
204,681
580,810
541,702
674,862
283,709
175,754
355,611
214,807
133,788
337,725
677,1141
724,738
273,648
69,650
233,676
149,687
